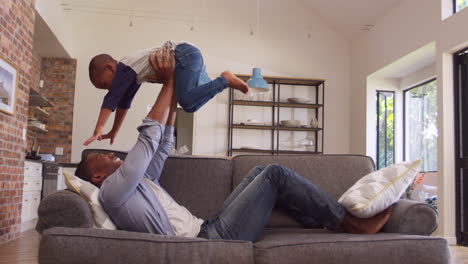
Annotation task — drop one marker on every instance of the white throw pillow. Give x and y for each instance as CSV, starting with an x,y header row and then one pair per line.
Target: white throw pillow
x,y
378,190
90,193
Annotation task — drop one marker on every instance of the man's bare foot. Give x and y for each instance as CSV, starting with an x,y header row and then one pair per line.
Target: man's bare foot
x,y
355,225
235,82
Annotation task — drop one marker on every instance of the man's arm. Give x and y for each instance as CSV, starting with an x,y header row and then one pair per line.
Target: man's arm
x,y
118,187
156,166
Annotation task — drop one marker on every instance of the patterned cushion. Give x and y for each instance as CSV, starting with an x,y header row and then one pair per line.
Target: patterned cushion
x,y
378,190
90,193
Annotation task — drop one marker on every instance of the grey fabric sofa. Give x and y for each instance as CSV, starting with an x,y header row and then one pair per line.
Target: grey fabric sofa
x,y
202,184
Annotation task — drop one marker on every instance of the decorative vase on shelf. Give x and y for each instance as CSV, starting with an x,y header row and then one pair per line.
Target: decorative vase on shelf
x,y
314,123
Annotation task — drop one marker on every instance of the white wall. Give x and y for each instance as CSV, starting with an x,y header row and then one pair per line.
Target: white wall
x,y
280,47
418,77
409,26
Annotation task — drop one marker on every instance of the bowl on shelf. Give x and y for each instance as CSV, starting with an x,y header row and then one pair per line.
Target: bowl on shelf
x,y
293,123
299,100
253,122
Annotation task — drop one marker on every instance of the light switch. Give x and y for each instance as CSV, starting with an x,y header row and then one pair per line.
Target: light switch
x,y
58,151
24,133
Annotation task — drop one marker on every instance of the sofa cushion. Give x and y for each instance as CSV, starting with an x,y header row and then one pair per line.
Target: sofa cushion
x,y
294,245
90,193
85,245
200,184
332,173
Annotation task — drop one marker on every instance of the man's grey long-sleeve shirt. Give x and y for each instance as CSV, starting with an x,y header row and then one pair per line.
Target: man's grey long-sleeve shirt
x,y
126,197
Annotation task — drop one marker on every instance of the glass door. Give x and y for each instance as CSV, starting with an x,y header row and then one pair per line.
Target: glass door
x,y
461,145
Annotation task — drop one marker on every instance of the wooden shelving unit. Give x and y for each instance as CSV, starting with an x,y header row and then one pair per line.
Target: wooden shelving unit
x,y
273,152
241,126
276,105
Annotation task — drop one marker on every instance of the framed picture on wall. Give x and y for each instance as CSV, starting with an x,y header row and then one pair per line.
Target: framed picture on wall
x,y
8,86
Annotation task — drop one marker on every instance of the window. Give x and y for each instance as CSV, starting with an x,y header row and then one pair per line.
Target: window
x,y
420,125
385,128
459,5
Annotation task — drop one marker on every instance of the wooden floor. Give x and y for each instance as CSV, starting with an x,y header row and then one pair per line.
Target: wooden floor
x,y
24,250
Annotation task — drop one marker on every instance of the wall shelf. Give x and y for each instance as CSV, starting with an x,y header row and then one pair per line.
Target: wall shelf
x,y
36,99
276,105
270,104
37,128
41,111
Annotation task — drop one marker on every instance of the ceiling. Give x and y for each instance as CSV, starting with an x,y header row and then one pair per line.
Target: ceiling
x,y
351,17
45,42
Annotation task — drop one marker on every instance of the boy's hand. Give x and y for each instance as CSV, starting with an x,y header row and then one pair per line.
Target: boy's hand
x,y
96,135
111,135
162,65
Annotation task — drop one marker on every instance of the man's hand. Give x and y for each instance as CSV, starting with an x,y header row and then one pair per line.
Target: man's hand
x,y
111,135
163,66
96,135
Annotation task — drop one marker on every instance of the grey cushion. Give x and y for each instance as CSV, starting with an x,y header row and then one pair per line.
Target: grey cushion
x,y
291,245
412,218
200,184
63,208
332,173
84,245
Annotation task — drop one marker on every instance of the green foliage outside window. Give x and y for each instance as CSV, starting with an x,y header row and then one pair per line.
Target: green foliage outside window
x,y
460,4
385,129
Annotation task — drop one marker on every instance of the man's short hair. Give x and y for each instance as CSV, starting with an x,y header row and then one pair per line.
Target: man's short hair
x,y
83,171
97,62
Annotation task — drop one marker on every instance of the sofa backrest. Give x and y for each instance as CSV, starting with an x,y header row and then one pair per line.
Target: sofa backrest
x,y
200,184
332,173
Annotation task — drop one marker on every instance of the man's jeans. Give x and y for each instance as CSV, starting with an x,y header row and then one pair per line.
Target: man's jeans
x,y
191,94
248,208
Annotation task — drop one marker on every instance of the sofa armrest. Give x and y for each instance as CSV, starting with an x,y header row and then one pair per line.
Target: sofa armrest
x,y
412,218
63,208
88,245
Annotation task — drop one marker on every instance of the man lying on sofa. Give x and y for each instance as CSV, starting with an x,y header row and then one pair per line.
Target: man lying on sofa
x,y
135,201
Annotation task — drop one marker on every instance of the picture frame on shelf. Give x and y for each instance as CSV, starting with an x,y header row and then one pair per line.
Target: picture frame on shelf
x,y
8,86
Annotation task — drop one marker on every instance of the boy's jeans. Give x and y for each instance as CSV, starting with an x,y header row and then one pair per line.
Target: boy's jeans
x,y
246,211
191,94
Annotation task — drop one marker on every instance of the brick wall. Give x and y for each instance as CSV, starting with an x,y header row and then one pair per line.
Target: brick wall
x,y
16,41
59,88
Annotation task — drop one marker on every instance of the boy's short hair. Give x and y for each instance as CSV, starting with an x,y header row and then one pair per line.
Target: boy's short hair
x,y
83,171
96,63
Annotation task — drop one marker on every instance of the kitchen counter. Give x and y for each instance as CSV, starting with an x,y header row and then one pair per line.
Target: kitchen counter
x,y
61,164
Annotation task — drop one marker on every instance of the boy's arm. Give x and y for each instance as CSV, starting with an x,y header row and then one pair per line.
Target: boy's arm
x,y
103,116
119,117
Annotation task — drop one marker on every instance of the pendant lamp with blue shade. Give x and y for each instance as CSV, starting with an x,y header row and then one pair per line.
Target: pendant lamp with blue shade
x,y
256,82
